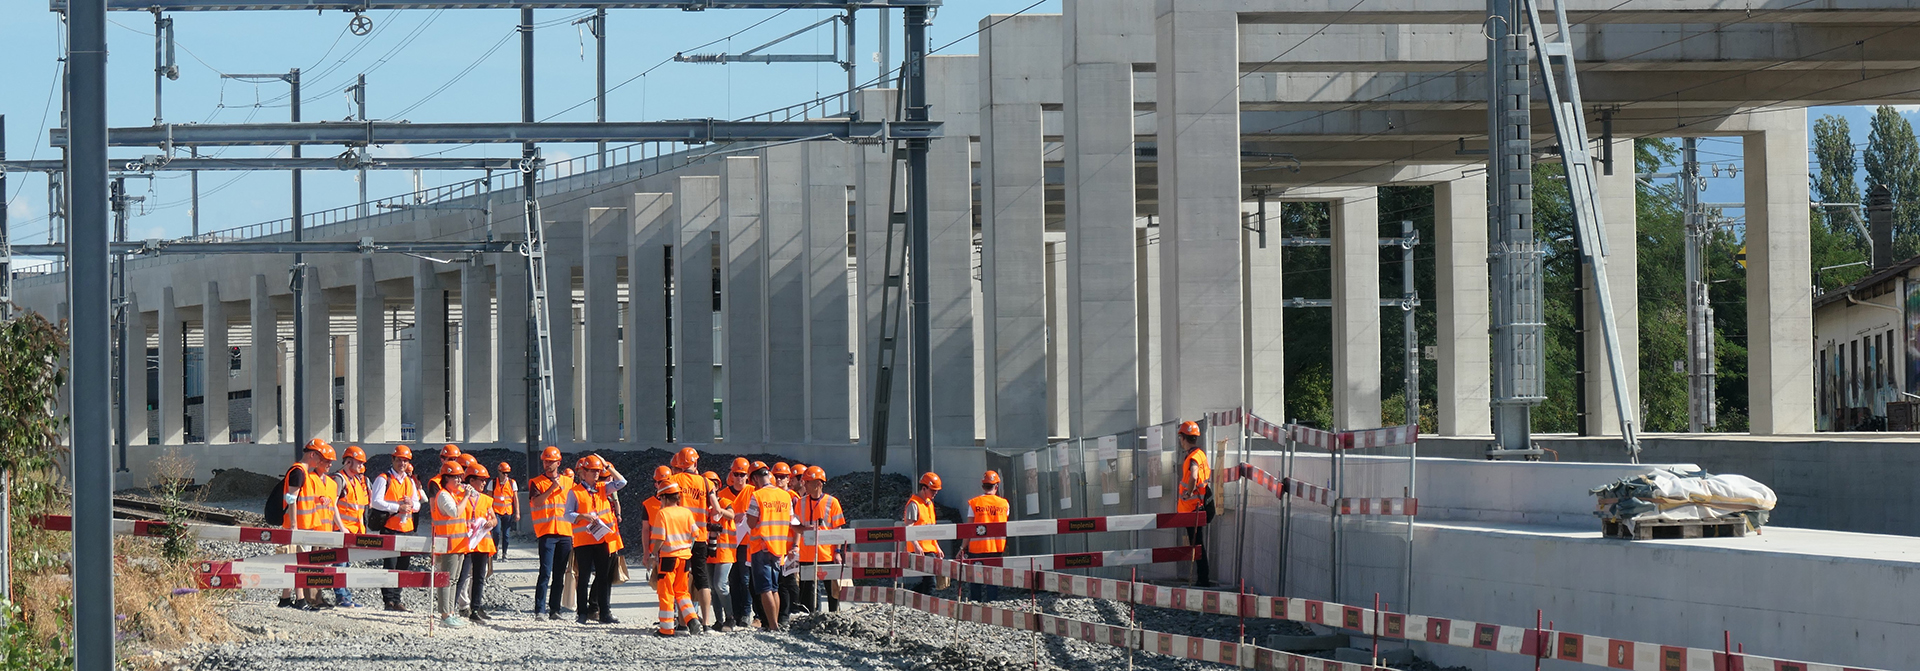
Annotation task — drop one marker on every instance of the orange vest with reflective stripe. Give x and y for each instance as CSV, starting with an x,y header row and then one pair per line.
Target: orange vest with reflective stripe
x,y
594,504
453,528
693,497
478,506
723,552
503,496
550,509
400,489
822,513
987,509
314,504
925,517
775,508
352,503
672,531
1193,494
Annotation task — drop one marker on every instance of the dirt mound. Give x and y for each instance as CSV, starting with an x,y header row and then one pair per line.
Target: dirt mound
x,y
234,484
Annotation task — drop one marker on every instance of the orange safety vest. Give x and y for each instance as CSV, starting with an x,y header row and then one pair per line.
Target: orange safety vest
x,y
1193,494
774,507
987,509
821,513
400,489
503,496
925,517
730,503
594,504
550,509
478,507
454,527
301,516
352,503
672,531
693,497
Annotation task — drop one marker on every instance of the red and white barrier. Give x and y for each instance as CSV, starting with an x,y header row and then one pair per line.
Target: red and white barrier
x,y
1391,436
316,558
356,579
267,535
947,532
1076,560
1380,506
239,567
1323,496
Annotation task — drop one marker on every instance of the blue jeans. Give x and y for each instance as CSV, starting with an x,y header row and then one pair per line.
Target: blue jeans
x,y
722,593
502,532
766,572
554,551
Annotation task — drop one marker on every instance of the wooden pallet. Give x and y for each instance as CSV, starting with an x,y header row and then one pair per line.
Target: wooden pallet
x,y
1645,531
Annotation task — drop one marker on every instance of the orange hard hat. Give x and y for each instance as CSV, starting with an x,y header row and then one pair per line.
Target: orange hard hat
x,y
741,465
759,465
662,473
506,467
991,478
478,471
550,454
355,453
1189,428
669,488
451,467
402,452
712,477
584,463
326,451
315,444
569,473
780,468
449,450
816,473
686,458
930,480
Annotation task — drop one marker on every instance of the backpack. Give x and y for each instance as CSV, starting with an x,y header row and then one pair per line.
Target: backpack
x,y
275,507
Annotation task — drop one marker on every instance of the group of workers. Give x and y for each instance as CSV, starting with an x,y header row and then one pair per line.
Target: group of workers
x,y
722,552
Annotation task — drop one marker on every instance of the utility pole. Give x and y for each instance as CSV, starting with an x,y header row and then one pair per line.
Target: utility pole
x,y
163,66
1517,326
89,300
1700,345
1409,299
914,91
118,204
358,92
299,276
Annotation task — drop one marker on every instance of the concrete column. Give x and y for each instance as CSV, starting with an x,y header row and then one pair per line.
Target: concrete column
x,y
953,83
214,375
699,209
1103,41
172,370
1017,64
1619,207
378,412
264,362
477,380
829,173
655,231
1356,310
1198,120
744,300
1146,306
606,233
786,297
564,251
318,358
1059,339
345,415
136,380
1779,270
1262,292
1460,287
872,169
510,286
430,336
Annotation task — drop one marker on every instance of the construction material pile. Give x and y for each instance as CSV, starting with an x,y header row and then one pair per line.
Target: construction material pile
x,y
1672,496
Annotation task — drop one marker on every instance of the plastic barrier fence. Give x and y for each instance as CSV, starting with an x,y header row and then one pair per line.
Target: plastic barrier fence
x,y
338,578
1311,492
268,535
947,532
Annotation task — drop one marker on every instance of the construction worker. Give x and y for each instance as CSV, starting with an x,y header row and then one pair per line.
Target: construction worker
x,y
721,554
447,451
987,508
1196,477
672,542
506,502
547,502
480,547
787,479
770,525
697,496
596,536
919,512
649,514
308,497
795,484
394,498
817,510
451,510
782,474
351,481
735,575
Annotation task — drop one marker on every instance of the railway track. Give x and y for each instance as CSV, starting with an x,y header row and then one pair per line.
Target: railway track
x,y
129,508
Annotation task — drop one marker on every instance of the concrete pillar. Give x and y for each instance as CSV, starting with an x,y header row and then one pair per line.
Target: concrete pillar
x,y
1619,208
953,83
430,336
1059,340
214,375
786,296
1146,307
654,232
1103,41
172,370
1198,120
1356,310
477,380
1463,386
378,412
606,233
564,251
744,300
829,173
1263,294
136,380
318,359
1779,270
872,169
265,365
698,200
343,408
510,286
1019,58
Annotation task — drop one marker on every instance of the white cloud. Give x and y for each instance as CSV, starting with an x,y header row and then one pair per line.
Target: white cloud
x,y
390,151
20,209
1906,109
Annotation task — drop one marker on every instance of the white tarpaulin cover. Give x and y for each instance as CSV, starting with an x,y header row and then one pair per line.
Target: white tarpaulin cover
x,y
1672,495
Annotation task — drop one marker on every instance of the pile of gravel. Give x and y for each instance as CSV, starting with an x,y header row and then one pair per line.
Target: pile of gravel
x,y
235,484
856,493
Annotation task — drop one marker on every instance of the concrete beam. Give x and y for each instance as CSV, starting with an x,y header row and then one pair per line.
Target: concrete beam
x,y
1462,388
1736,47
744,300
654,231
265,366
429,381
214,373
787,259
1582,11
1619,208
605,232
477,379
953,92
375,401
1779,270
829,169
1684,86
699,209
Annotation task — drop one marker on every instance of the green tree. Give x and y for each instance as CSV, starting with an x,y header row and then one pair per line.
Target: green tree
x,y
1893,159
1837,235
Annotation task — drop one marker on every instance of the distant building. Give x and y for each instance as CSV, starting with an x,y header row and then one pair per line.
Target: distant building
x,y
1867,351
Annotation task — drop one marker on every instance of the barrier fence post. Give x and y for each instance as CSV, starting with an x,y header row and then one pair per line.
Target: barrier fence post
x,y
1376,629
1240,539
1286,519
1133,614
1540,645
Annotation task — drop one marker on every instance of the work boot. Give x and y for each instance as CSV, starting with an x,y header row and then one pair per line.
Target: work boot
x,y
554,616
286,602
395,607
608,619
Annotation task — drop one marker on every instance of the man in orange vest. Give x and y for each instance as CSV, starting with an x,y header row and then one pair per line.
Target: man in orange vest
x,y
729,562
394,498
596,537
547,503
472,580
649,515
919,512
308,496
771,529
506,505
672,541
451,522
987,508
697,496
817,510
1196,478
351,481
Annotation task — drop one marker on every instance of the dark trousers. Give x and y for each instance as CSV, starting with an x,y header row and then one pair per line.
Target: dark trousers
x,y
502,532
594,583
808,595
789,596
391,595
477,565
554,550
741,577
974,590
1198,536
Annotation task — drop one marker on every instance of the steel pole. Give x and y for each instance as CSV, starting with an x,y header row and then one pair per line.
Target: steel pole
x,y
528,184
193,184
300,428
118,203
159,62
90,303
914,76
360,103
599,78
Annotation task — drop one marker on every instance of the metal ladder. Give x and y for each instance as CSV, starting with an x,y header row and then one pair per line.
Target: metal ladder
x,y
1569,123
893,306
540,368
